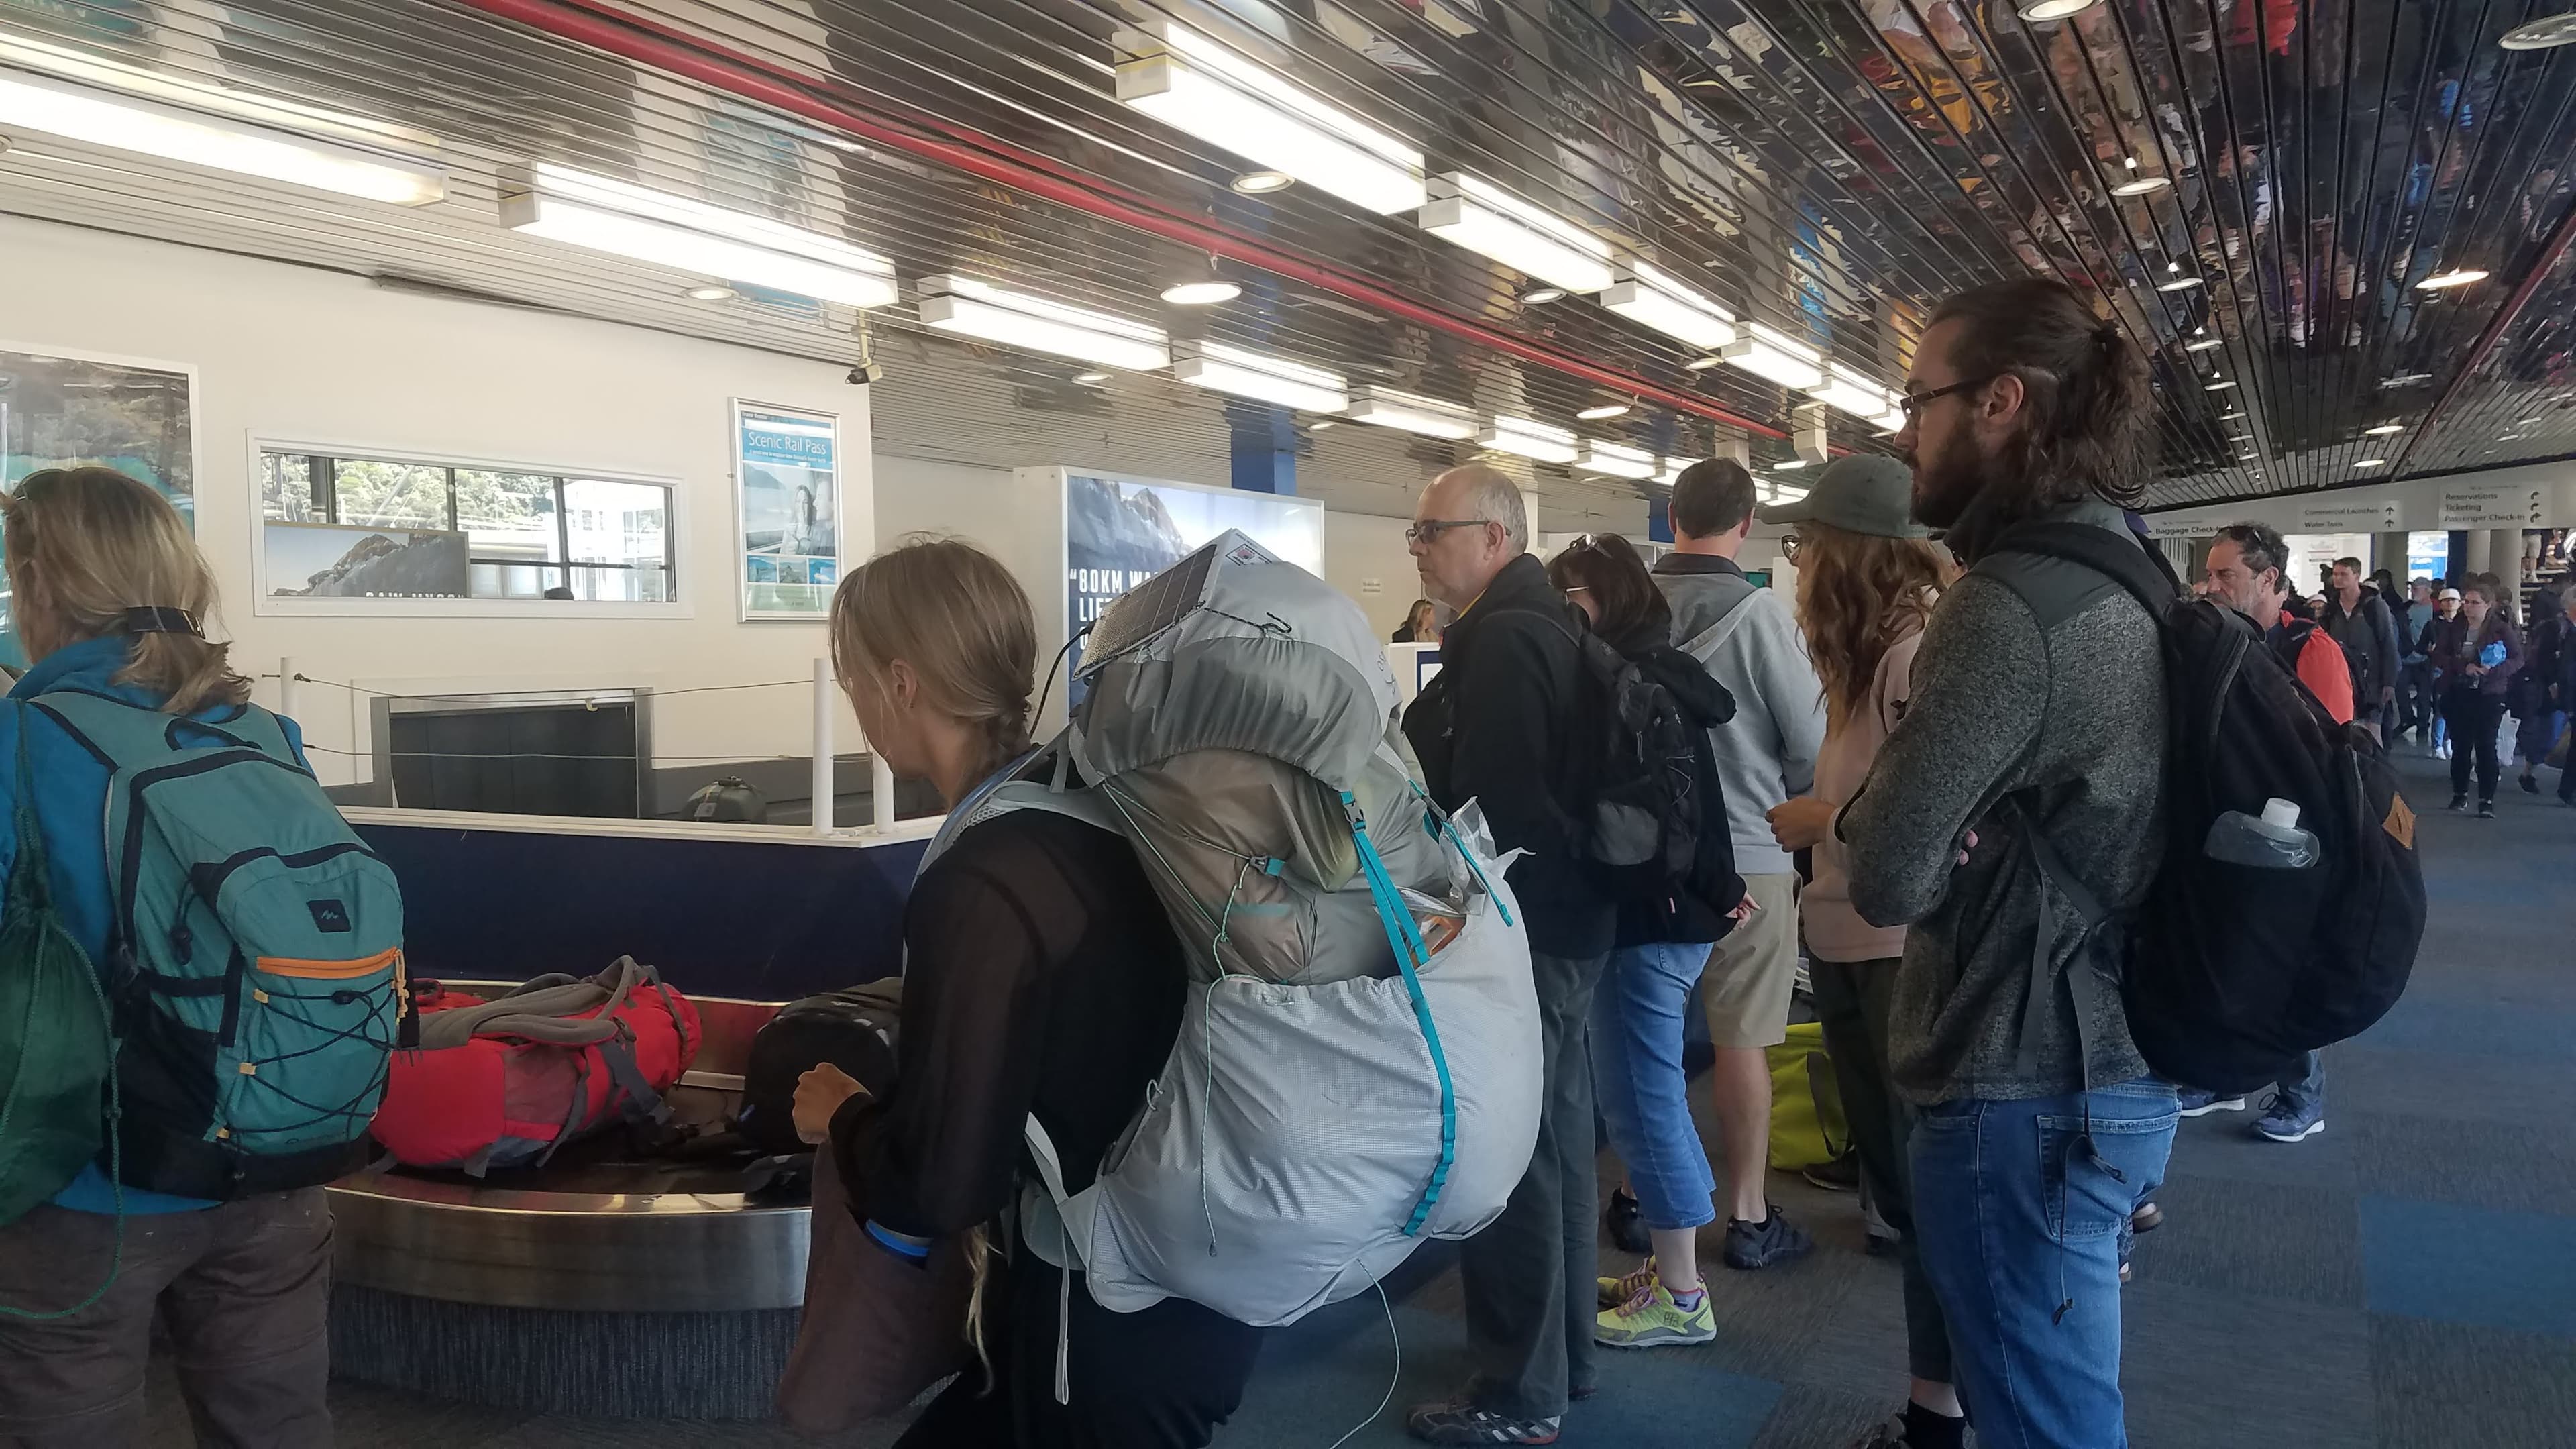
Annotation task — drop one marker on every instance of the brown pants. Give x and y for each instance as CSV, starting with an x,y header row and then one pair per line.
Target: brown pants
x,y
244,1288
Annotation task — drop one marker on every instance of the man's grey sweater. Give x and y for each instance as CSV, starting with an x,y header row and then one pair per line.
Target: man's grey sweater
x,y
1747,641
2067,725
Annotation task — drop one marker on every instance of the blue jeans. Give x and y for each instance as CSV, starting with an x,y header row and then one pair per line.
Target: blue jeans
x,y
1638,1016
2019,1211
2309,1086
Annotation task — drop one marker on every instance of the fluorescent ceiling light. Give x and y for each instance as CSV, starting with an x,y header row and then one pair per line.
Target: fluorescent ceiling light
x,y
1255,375
2177,284
1767,353
2138,184
269,141
1482,217
1673,470
1615,460
1432,418
2543,33
2371,463
712,294
579,209
1606,410
1201,294
2456,277
1893,420
2219,385
1529,439
2231,417
1701,364
971,308
1541,296
2055,9
1258,183
2383,430
1787,465
1847,391
1652,298
1091,379
1320,424
2205,344
1201,87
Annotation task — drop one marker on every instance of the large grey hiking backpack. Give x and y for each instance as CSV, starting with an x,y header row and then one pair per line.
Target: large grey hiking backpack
x,y
1356,1065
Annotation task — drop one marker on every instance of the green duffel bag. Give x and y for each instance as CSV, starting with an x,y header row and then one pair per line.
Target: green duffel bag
x,y
57,1055
1808,1128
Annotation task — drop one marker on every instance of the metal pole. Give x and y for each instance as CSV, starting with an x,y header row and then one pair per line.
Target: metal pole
x,y
286,691
823,687
881,789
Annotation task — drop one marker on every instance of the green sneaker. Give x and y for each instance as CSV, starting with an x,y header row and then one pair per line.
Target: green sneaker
x,y
1651,1319
1611,1292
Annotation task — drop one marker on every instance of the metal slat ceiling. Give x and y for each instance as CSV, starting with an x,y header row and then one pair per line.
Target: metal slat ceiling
x,y
1832,167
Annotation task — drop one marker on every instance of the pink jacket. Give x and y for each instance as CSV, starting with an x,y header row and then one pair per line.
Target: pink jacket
x,y
1835,932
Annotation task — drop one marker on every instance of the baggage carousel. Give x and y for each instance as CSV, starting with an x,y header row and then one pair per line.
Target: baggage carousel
x,y
605,1282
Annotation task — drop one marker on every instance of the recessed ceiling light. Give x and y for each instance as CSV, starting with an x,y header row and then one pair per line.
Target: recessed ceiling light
x,y
1541,296
2456,277
712,294
2525,422
2509,437
2383,430
2141,186
2231,417
2220,385
2178,284
1256,183
1320,424
1789,464
1606,410
1091,378
2542,33
1702,364
2204,344
2055,9
1201,294
2371,463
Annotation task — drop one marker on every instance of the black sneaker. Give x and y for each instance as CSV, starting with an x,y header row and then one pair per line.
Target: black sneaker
x,y
1775,1239
1460,1422
1626,1224
2530,786
2147,1218
2459,804
1841,1174
2486,810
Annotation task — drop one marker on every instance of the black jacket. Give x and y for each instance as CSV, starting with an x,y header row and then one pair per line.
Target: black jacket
x,y
1493,726
2368,634
1699,912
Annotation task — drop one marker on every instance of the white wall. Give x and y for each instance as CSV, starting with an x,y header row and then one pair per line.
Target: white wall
x,y
293,352
1361,550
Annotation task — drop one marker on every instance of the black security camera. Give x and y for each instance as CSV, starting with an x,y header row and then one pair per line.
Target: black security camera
x,y
865,373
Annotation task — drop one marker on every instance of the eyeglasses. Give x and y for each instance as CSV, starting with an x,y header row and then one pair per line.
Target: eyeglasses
x,y
1791,547
1914,403
1427,531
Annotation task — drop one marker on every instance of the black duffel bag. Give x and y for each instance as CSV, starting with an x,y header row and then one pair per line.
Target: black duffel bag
x,y
855,1029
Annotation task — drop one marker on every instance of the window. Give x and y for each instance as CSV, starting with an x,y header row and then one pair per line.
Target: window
x,y
525,534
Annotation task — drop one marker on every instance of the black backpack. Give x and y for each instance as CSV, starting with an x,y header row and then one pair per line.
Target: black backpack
x,y
855,1028
1633,771
2233,971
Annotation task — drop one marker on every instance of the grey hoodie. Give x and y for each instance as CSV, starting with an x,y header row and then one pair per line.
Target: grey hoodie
x,y
1743,635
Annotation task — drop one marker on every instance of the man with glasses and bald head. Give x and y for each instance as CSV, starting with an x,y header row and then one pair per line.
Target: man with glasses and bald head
x,y
1492,727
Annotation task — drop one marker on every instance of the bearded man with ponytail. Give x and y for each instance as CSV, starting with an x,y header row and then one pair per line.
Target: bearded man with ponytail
x,y
2016,807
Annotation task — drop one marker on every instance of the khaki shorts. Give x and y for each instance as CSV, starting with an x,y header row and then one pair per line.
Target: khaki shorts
x,y
1753,972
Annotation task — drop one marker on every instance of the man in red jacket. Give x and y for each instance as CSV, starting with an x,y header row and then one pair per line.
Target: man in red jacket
x,y
2246,572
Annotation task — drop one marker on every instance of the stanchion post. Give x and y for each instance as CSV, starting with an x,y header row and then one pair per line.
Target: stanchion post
x,y
880,790
286,691
823,687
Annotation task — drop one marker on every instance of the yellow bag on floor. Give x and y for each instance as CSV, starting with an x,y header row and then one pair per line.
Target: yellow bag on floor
x,y
1808,1128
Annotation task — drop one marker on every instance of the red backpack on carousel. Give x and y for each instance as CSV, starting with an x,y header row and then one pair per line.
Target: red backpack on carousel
x,y
506,1082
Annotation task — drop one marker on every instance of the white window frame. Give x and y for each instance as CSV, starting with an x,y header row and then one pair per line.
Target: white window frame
x,y
684,564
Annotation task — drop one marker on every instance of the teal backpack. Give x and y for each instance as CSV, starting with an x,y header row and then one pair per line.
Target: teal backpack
x,y
254,965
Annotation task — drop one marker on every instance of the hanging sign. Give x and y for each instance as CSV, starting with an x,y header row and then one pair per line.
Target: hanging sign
x,y
2378,517
2480,505
2163,528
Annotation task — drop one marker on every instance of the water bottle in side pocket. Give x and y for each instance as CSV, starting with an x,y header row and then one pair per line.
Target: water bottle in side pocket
x,y
2271,841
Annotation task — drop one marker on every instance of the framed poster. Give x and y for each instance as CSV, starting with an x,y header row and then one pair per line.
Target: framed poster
x,y
58,409
787,509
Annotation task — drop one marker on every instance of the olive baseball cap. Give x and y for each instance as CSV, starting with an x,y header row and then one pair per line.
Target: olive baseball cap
x,y
1867,493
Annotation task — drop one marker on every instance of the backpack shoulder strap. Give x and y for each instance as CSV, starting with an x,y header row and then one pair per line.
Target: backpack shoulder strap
x,y
2021,560
128,736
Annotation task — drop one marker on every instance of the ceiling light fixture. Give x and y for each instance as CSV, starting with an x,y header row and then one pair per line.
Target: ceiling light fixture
x,y
1653,298
2218,385
971,308
579,209
2508,437
2371,463
1413,413
1783,493
2138,185
2205,344
1201,294
712,294
1215,366
1541,296
1262,183
1615,460
2178,284
1199,86
130,109
1847,391
1767,353
1786,465
1319,424
1528,438
2231,417
1482,217
1701,364
2456,277
2047,10
1605,410
1673,470
2543,33
2383,430
2404,379
1091,379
